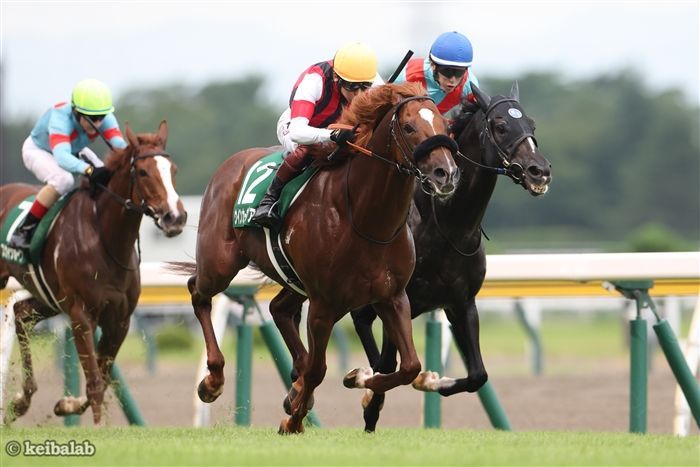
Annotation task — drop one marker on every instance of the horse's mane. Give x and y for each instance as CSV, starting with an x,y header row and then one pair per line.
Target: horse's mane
x,y
366,111
463,118
120,158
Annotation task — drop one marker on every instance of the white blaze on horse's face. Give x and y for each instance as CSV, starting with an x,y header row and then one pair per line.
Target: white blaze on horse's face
x,y
164,166
428,116
532,144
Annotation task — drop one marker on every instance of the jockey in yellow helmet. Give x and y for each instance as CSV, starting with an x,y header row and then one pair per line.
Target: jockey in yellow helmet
x,y
317,100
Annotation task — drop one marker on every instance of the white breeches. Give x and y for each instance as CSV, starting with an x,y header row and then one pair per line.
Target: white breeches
x,y
44,166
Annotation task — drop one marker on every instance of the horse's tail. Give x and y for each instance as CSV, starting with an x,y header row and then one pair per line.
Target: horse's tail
x,y
183,268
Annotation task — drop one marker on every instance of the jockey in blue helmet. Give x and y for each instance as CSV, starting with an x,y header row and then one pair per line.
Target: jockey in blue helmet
x,y
446,73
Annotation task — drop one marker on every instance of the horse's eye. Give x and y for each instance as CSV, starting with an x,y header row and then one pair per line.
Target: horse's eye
x,y
501,128
408,128
143,173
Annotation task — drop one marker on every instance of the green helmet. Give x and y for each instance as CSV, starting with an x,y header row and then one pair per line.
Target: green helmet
x,y
92,97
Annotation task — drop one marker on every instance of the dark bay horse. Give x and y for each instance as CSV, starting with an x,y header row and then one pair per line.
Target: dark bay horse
x,y
90,264
495,137
346,236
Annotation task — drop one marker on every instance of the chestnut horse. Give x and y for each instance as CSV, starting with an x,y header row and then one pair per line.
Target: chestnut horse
x,y
90,264
494,137
346,236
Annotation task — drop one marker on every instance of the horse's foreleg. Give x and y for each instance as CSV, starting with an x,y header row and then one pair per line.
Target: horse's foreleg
x,y
363,319
465,329
285,309
320,323
27,313
83,333
373,402
396,317
115,326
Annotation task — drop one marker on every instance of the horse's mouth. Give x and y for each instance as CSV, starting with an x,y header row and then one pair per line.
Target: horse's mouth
x,y
536,189
442,192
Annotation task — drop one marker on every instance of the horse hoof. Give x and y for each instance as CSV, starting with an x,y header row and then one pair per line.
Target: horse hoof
x,y
205,395
426,381
356,378
70,406
287,427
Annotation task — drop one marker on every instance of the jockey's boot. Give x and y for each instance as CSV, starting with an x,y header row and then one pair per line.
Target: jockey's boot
x,y
266,215
22,236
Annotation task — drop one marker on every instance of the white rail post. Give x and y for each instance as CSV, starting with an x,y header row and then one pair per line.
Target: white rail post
x,y
681,422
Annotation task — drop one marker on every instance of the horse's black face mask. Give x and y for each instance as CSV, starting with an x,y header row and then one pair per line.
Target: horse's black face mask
x,y
506,127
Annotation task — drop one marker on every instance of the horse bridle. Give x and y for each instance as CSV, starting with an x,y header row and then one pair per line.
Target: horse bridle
x,y
143,208
421,150
406,168
130,205
512,169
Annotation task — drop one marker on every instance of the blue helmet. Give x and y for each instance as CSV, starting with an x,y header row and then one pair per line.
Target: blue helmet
x,y
452,49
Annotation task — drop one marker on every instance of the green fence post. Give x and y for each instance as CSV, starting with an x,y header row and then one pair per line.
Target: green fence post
x,y
71,374
433,362
489,400
638,375
126,400
244,365
494,410
280,356
679,366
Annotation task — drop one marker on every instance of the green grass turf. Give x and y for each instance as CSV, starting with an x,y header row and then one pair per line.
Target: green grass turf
x,y
240,446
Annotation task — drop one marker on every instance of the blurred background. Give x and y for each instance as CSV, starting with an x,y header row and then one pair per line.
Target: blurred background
x,y
613,87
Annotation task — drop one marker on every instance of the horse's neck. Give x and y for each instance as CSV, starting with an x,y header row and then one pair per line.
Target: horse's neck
x,y
118,226
464,212
379,196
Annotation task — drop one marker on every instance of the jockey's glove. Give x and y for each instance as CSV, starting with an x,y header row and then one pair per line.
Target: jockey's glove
x,y
342,137
98,175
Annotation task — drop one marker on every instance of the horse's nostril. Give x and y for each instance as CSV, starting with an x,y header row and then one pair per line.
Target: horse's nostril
x,y
440,174
167,218
535,171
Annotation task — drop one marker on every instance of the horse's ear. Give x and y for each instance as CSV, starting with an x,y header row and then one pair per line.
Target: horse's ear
x,y
515,92
131,136
482,98
163,132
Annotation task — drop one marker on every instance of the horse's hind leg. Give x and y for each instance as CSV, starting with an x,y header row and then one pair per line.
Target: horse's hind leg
x,y
320,323
27,313
213,275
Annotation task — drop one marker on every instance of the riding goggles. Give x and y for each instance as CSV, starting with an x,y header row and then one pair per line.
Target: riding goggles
x,y
450,72
358,86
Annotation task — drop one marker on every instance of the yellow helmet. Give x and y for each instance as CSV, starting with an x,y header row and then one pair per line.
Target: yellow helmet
x,y
355,62
92,97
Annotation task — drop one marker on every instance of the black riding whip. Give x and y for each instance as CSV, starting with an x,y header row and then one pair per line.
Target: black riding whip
x,y
403,63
